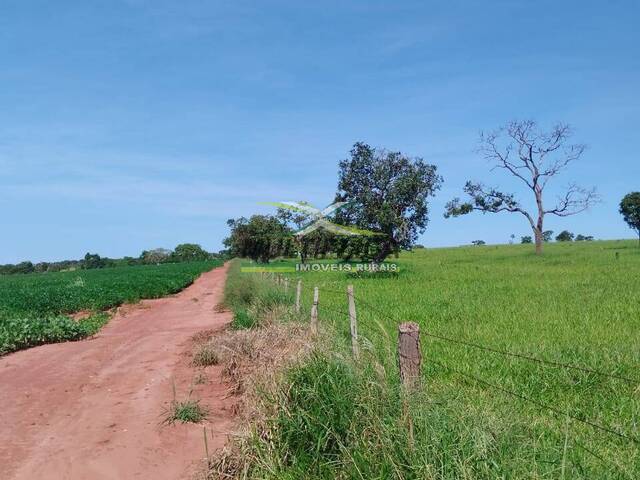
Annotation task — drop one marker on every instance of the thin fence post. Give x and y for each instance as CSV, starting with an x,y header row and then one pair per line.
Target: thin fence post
x,y
409,356
353,323
314,312
286,284
409,359
298,292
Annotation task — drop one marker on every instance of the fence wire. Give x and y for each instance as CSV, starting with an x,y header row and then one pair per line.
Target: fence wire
x,y
538,403
383,316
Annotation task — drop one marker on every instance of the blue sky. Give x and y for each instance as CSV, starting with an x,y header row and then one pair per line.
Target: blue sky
x,y
128,125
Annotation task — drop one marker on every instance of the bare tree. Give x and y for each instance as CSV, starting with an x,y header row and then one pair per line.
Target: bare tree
x,y
534,157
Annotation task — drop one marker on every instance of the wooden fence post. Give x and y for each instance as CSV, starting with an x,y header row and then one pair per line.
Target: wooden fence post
x,y
286,284
409,356
353,322
298,292
314,312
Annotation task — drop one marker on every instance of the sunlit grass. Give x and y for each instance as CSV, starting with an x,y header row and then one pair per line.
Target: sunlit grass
x,y
578,304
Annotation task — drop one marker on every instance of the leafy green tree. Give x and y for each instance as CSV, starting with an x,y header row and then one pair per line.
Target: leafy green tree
x,y
317,243
584,238
41,267
630,210
92,260
155,256
526,239
22,267
260,238
130,260
189,252
565,236
547,235
533,157
387,193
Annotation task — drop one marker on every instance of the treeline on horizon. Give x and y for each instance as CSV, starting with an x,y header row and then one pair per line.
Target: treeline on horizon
x,y
185,252
381,204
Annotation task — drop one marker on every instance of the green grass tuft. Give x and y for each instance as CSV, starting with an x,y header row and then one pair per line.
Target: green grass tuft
x,y
187,411
242,320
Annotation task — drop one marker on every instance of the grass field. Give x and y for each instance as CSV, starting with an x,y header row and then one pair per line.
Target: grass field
x,y
578,304
33,307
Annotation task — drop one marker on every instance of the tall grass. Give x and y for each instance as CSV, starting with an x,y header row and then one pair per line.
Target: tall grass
x,y
252,300
578,304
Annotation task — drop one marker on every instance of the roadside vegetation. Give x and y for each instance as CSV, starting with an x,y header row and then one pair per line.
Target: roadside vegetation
x,y
328,416
35,308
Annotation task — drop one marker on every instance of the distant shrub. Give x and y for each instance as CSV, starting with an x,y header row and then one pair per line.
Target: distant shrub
x,y
584,238
565,236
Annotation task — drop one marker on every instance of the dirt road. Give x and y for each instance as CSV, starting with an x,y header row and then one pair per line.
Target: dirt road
x,y
93,409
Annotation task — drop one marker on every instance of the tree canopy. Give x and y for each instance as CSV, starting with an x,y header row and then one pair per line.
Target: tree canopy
x,y
387,193
261,238
189,252
630,210
565,236
533,157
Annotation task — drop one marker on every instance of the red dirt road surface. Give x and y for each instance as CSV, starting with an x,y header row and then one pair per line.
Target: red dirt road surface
x,y
93,409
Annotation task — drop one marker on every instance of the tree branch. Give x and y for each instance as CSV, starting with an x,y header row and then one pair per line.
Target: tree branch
x,y
575,200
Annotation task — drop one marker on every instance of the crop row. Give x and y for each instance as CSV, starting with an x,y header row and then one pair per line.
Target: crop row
x,y
33,307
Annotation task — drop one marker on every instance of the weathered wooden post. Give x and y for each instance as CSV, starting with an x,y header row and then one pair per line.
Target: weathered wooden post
x,y
298,292
286,284
409,356
353,322
314,312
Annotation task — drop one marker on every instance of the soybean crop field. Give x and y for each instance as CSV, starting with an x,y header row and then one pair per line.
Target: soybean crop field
x,y
34,308
530,364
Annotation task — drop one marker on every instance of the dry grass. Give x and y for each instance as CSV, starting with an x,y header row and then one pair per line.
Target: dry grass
x,y
202,336
205,355
253,362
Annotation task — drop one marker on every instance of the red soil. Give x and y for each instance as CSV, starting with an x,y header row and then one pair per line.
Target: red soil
x,y
93,409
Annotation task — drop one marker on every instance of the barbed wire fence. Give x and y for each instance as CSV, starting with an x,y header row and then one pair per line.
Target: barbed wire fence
x,y
411,358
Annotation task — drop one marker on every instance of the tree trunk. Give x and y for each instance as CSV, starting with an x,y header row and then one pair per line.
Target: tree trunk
x,y
538,229
384,252
538,239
